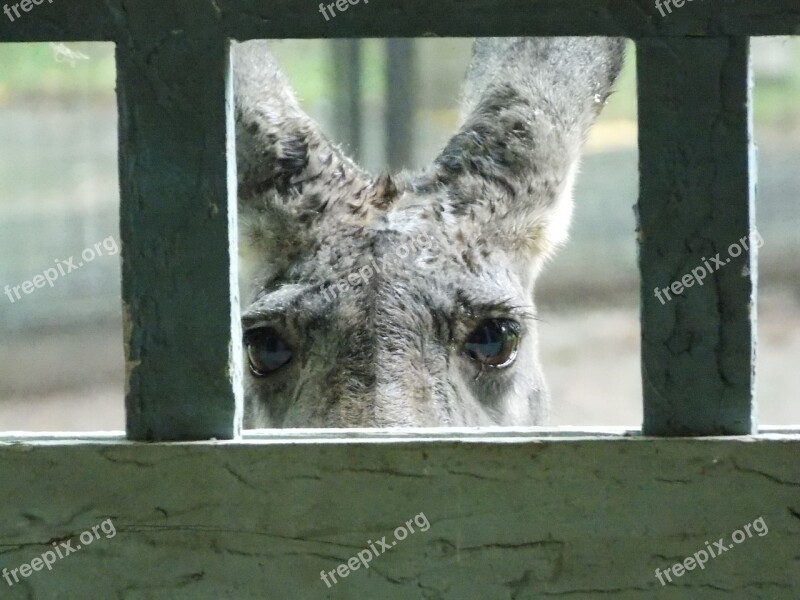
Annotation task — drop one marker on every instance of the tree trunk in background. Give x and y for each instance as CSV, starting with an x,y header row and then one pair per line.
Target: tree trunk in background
x,y
347,95
400,102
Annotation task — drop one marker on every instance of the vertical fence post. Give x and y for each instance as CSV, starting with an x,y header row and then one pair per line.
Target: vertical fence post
x,y
178,224
697,237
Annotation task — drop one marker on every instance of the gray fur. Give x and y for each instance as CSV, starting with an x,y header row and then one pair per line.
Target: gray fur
x,y
478,225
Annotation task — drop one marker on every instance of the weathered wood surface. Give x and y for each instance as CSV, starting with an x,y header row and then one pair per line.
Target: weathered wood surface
x,y
177,225
695,206
541,518
68,20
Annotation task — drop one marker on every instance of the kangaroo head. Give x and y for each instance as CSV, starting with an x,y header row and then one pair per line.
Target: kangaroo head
x,y
408,300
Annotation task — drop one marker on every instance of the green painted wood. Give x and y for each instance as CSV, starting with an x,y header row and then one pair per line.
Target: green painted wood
x,y
178,221
695,202
539,518
83,20
400,434
242,19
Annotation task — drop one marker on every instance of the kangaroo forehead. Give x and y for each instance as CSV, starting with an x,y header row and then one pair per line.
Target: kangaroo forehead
x,y
366,288
359,245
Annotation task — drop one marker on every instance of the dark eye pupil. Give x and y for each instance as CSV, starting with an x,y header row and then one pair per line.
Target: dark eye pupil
x,y
494,342
266,350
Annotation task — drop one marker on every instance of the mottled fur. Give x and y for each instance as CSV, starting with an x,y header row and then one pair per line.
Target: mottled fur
x,y
492,207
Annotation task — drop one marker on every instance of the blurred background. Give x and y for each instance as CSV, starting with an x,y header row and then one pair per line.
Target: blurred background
x,y
391,104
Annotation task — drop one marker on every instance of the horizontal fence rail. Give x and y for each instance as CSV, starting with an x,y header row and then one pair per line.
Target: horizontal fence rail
x,y
101,20
531,519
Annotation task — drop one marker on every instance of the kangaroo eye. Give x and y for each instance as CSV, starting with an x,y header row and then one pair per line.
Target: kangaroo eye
x,y
494,342
267,351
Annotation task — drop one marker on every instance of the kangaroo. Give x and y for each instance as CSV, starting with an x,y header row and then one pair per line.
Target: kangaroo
x,y
407,300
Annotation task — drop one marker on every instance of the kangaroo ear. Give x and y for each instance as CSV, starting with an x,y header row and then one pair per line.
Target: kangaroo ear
x,y
290,177
529,103
279,149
